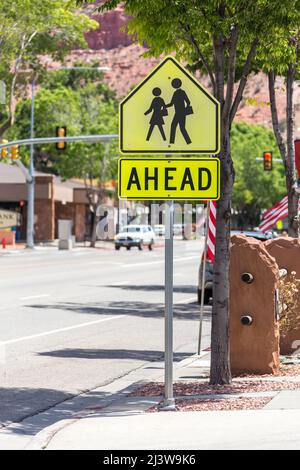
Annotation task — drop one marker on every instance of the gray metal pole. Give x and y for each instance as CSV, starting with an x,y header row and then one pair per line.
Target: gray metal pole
x,y
53,140
203,279
169,402
30,183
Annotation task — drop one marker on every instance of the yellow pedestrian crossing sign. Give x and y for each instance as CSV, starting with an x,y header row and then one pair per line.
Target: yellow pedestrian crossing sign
x,y
169,112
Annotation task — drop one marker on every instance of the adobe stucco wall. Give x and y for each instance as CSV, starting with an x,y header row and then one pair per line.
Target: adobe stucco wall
x,y
44,220
286,251
80,222
74,212
44,210
254,348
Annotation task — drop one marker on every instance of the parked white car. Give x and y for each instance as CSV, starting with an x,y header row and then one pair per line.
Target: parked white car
x,y
135,235
160,230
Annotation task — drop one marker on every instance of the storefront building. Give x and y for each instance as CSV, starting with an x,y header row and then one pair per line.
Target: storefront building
x,y
54,199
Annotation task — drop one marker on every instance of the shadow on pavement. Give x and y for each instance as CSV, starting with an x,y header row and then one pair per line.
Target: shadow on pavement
x,y
18,403
135,354
29,410
182,311
188,289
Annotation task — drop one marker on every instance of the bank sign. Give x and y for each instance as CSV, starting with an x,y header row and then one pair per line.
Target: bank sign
x,y
8,219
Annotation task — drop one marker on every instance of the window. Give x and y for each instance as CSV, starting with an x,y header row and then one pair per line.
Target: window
x,y
131,229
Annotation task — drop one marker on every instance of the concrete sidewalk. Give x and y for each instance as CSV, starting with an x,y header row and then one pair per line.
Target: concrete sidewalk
x,y
264,429
124,423
35,430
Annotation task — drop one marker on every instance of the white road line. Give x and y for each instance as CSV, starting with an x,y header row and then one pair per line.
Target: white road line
x,y
60,330
100,262
133,265
184,258
35,296
120,283
74,327
186,301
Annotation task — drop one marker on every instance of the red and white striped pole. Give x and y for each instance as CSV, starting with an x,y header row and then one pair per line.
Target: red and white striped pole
x,y
211,241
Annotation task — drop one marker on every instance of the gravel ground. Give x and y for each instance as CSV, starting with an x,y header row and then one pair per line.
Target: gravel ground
x,y
285,371
240,385
201,388
219,405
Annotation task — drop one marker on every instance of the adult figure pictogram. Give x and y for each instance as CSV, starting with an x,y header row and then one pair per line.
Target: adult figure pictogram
x,y
159,110
182,108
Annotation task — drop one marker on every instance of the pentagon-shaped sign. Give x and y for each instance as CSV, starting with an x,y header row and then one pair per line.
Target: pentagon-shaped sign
x,y
169,112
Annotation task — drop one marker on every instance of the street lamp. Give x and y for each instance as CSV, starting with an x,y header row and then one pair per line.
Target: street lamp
x,y
31,181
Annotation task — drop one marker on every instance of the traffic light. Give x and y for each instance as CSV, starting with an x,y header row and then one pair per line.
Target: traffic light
x,y
268,161
61,131
14,152
4,151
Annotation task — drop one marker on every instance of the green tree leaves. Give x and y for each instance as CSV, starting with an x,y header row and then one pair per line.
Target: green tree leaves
x,y
86,107
29,29
254,188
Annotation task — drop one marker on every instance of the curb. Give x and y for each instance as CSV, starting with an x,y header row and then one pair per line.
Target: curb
x,y
42,439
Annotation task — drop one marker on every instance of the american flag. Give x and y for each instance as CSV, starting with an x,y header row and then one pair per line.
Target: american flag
x,y
211,237
278,212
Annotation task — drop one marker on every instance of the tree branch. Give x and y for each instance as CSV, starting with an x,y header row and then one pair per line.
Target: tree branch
x,y
243,81
290,160
274,114
231,71
4,127
191,38
219,67
25,42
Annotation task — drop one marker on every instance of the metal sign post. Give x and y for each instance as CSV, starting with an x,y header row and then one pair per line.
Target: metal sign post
x,y
31,180
169,401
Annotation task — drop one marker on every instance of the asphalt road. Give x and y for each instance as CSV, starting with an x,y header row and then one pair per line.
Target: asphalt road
x,y
73,321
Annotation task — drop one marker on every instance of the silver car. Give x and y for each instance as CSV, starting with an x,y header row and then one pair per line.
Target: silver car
x,y
208,284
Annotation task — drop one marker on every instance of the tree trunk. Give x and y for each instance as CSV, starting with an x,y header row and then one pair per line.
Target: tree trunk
x,y
293,196
7,125
94,229
220,361
274,114
287,152
220,372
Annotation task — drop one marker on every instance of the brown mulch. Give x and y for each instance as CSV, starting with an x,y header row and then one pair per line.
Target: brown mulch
x,y
221,404
286,370
246,386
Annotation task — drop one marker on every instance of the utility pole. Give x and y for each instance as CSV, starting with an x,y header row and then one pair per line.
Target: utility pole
x,y
31,182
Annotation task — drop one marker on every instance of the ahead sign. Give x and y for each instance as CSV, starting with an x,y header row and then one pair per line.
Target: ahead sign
x,y
162,178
